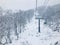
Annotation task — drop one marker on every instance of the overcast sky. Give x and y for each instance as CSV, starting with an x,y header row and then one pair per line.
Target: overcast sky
x,y
24,4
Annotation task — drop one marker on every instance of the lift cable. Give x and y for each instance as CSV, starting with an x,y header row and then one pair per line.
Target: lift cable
x,y
45,3
46,6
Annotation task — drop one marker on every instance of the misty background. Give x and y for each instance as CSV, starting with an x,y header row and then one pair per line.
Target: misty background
x,y
16,14
24,4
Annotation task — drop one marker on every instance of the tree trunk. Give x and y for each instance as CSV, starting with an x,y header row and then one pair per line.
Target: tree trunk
x,y
16,32
8,36
20,28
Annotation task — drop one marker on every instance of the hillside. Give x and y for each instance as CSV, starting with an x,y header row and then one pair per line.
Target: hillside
x,y
21,27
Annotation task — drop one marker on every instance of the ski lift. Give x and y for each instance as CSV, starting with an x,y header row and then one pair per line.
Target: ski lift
x,y
37,16
45,22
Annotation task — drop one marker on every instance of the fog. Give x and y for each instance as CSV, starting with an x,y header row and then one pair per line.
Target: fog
x,y
24,4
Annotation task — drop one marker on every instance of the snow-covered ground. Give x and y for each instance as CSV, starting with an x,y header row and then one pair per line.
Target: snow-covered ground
x,y
31,36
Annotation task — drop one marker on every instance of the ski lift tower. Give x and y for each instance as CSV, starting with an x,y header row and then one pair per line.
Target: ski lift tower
x,y
37,16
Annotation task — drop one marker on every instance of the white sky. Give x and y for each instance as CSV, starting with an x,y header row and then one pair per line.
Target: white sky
x,y
24,4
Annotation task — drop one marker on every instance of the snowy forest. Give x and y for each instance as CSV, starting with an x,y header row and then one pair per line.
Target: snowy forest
x,y
20,27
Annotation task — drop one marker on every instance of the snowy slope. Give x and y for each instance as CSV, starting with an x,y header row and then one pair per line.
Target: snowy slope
x,y
32,37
